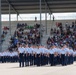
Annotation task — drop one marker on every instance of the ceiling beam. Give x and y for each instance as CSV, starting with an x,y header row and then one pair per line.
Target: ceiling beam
x,y
48,6
37,7
12,7
60,2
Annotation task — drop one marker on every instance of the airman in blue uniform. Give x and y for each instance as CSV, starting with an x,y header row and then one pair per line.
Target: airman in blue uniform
x,y
21,56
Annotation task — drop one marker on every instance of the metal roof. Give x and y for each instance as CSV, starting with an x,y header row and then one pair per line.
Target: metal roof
x,y
32,6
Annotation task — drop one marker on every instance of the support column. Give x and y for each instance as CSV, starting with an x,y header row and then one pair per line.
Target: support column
x,y
50,21
40,25
0,27
46,18
10,19
50,17
17,18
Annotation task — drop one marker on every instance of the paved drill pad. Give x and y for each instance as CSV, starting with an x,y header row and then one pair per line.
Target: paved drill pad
x,y
13,69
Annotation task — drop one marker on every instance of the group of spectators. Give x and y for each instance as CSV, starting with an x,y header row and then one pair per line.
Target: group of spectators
x,y
26,36
63,34
4,33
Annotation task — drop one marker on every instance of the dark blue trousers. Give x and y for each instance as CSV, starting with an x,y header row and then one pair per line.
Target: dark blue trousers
x,y
51,58
38,59
63,59
27,58
21,60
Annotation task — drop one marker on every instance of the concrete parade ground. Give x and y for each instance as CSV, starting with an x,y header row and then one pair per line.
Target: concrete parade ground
x,y
13,69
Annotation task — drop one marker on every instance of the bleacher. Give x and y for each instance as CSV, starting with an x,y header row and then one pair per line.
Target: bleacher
x,y
63,34
25,34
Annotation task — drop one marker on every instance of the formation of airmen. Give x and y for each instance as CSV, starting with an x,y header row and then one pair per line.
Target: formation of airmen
x,y
7,56
40,55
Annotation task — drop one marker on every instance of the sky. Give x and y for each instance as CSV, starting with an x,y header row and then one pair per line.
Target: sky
x,y
25,17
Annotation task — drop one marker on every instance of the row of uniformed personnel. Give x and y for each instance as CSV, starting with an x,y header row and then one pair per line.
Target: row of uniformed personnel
x,y
7,56
39,55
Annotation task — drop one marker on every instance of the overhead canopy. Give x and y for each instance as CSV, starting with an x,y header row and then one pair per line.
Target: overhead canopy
x,y
32,6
